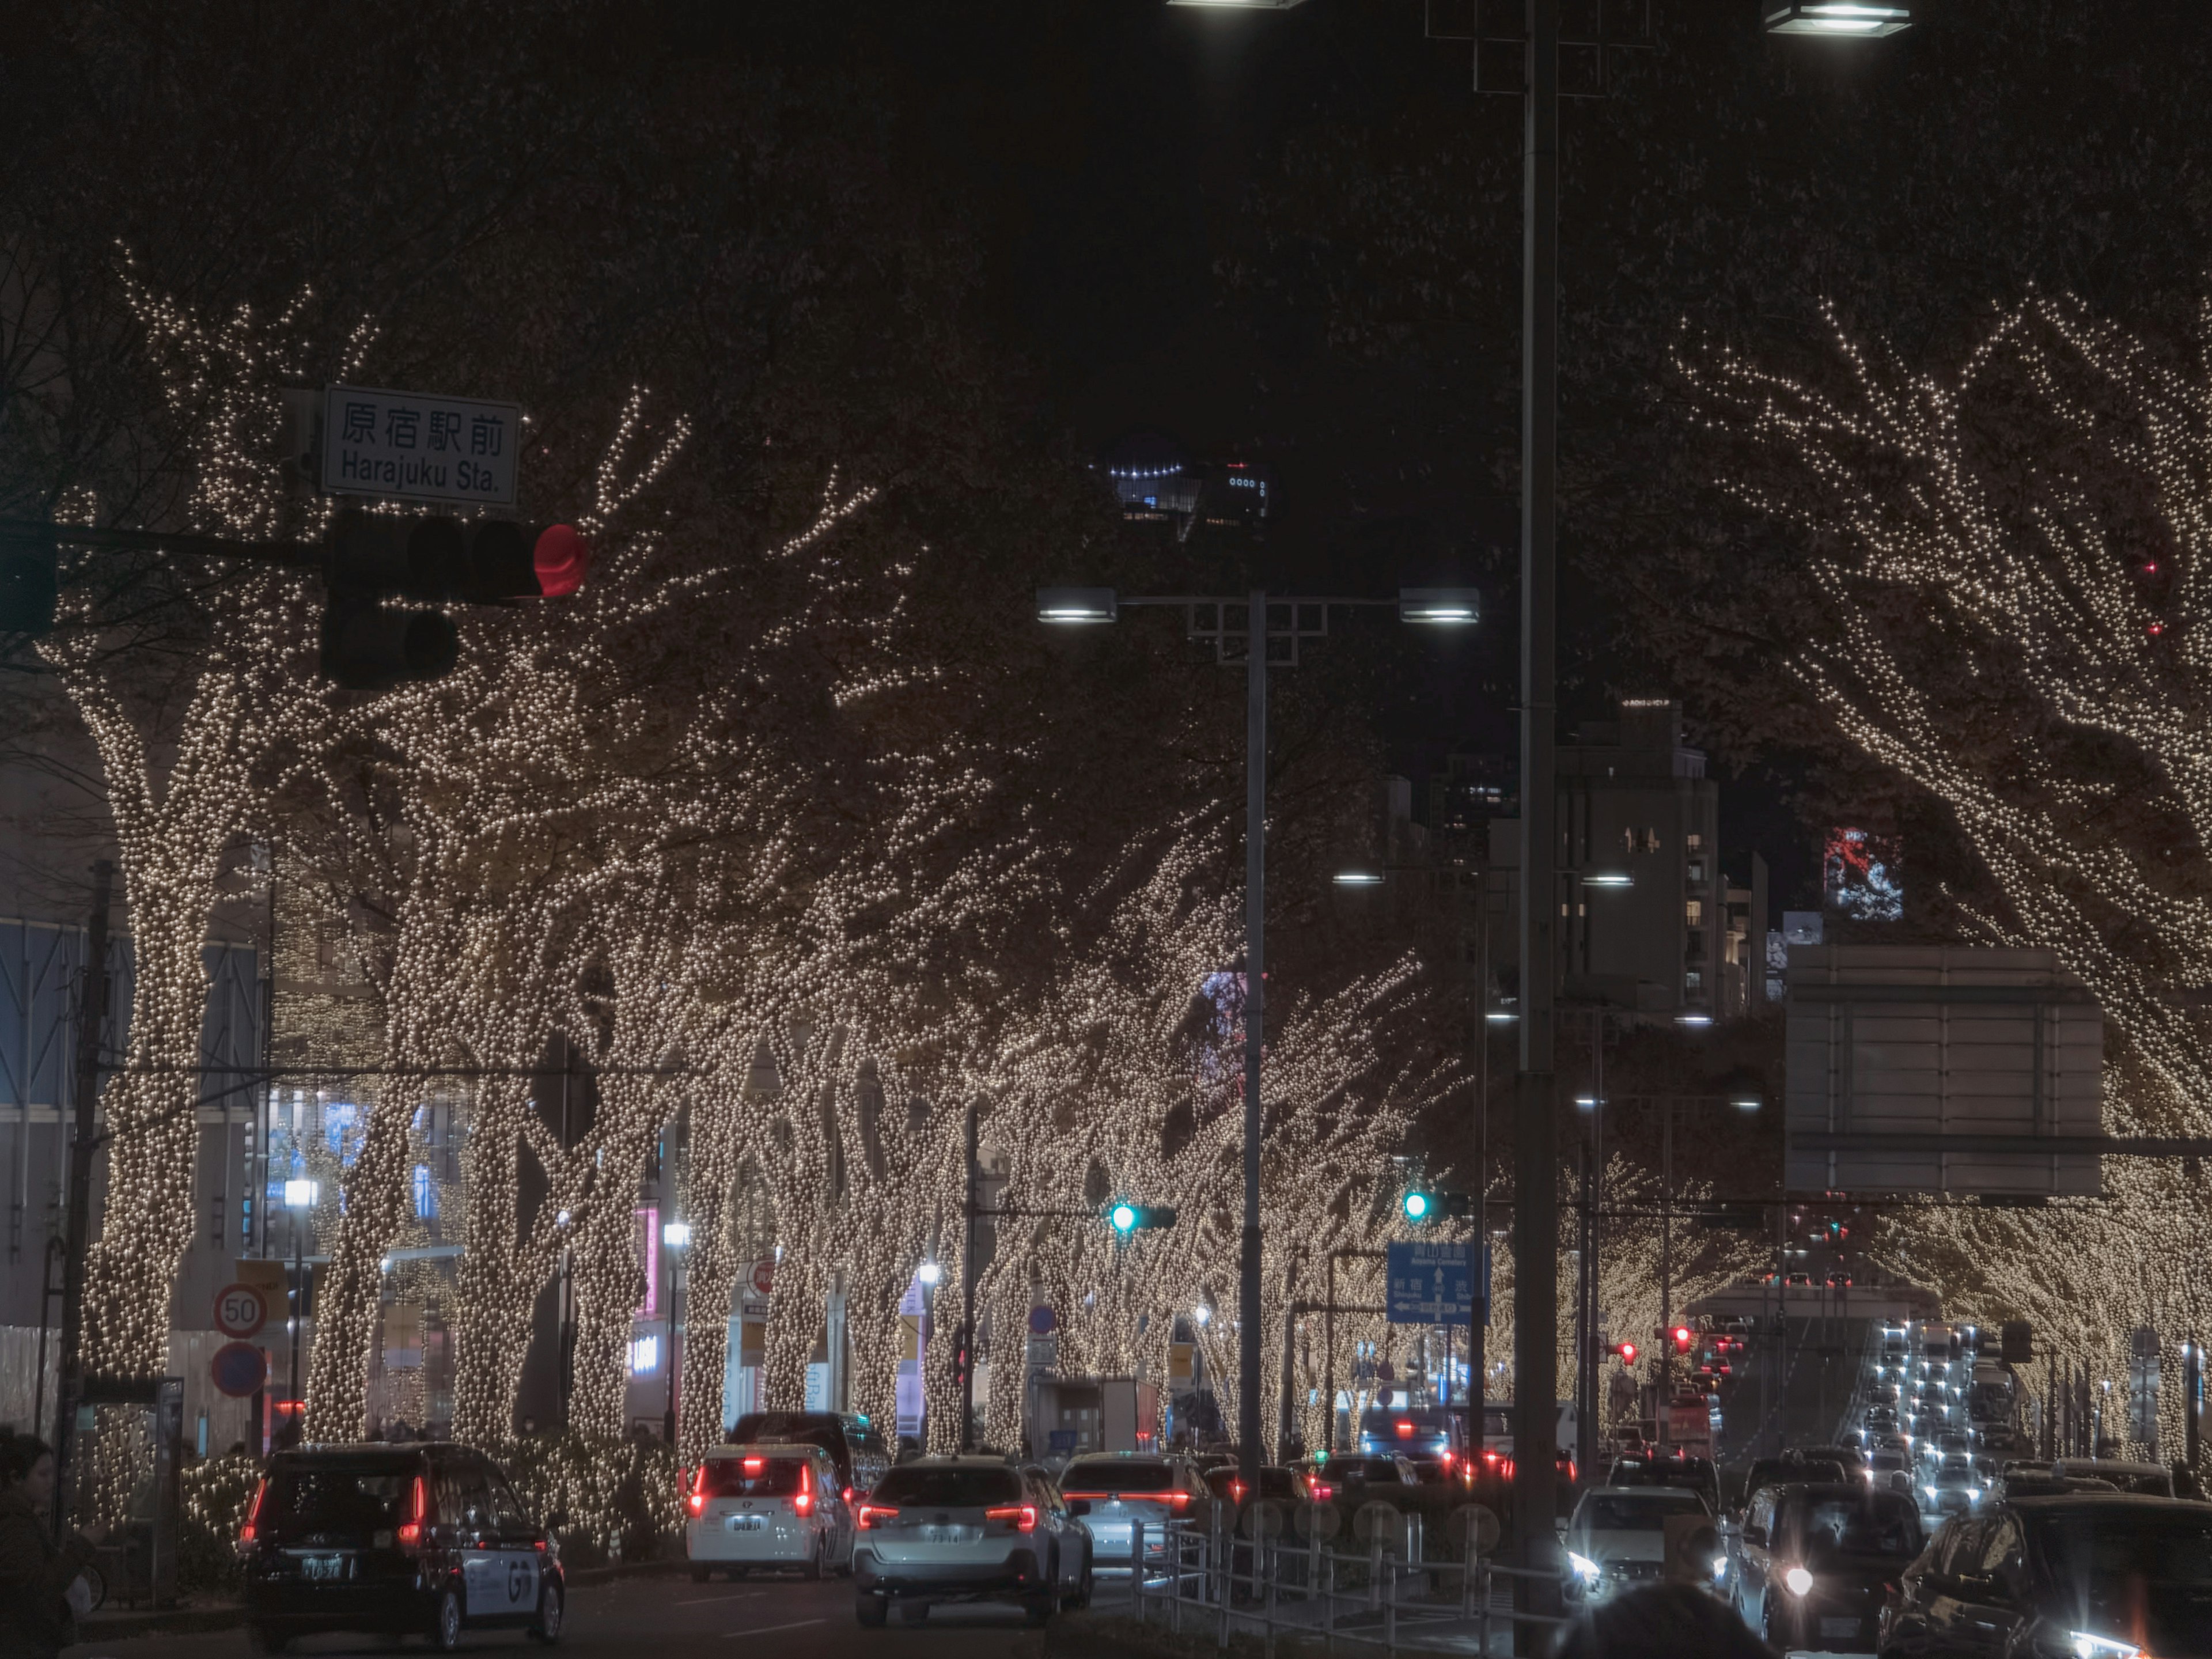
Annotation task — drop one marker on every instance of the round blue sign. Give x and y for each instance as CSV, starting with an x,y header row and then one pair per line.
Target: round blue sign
x,y
1042,1322
240,1368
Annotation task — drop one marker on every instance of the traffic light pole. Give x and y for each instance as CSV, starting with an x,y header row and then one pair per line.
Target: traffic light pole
x,y
92,1008
1255,1002
1535,1149
967,1288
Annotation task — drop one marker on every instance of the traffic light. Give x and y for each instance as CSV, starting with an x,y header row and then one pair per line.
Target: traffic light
x,y
960,1356
1626,1350
1126,1219
369,645
1685,1338
1423,1204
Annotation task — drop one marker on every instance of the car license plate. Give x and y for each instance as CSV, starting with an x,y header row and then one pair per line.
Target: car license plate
x,y
745,1523
945,1535
1839,1627
319,1567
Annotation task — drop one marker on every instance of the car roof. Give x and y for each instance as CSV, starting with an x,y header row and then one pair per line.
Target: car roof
x,y
957,1461
768,1448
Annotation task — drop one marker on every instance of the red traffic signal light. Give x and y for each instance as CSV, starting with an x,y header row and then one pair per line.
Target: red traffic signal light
x,y
1626,1350
1684,1338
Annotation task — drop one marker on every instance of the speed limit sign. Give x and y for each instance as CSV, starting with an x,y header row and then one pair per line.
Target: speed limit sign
x,y
240,1312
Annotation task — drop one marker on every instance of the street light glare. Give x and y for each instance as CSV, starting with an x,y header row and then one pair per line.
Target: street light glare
x,y
1237,5
1077,605
1853,19
1448,607
1693,1018
1747,1103
1357,878
300,1195
1608,878
676,1234
929,1272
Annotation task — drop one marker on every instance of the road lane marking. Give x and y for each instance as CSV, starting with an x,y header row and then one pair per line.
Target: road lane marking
x,y
770,1630
727,1596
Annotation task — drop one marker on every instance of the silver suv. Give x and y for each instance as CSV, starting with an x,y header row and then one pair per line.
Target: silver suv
x,y
967,1529
1114,1491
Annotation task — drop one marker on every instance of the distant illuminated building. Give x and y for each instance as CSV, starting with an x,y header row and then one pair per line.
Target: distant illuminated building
x,y
1157,481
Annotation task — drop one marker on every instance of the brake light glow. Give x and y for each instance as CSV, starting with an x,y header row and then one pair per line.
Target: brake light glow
x,y
410,1531
802,1501
1321,1491
246,1533
755,1465
1447,1459
873,1513
696,1502
1023,1515
1404,1429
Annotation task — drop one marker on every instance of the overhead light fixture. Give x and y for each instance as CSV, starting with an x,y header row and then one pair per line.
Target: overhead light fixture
x,y
1694,1017
1747,1103
1237,5
1500,1017
1077,605
1357,878
1861,19
1587,1102
1608,878
1450,607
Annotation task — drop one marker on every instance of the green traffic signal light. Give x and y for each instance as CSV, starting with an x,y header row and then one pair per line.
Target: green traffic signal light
x,y
1419,1206
1122,1217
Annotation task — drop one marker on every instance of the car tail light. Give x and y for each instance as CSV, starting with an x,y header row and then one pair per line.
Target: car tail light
x,y
1237,1491
1023,1515
802,1501
1447,1459
410,1530
1405,1431
873,1513
848,1494
1321,1491
247,1532
755,1465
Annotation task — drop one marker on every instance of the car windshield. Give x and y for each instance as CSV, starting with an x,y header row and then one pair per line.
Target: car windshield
x,y
1112,1476
360,1495
1642,1511
2122,1572
953,1488
750,1475
1835,1530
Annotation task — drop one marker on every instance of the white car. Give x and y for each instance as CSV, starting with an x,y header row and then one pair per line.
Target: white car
x,y
1618,1538
773,1504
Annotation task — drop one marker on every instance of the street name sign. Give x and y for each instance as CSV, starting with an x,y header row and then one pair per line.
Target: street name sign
x,y
1431,1284
419,447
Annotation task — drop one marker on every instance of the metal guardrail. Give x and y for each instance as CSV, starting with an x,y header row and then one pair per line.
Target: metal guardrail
x,y
1382,1599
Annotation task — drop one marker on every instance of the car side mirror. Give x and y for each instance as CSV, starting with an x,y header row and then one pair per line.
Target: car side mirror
x,y
1755,1536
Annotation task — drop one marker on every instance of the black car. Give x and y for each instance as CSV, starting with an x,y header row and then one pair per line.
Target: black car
x,y
1817,1561
2106,1576
854,1444
1656,1468
1790,1465
398,1539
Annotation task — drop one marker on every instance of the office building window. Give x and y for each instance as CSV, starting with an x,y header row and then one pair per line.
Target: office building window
x,y
1694,979
1695,912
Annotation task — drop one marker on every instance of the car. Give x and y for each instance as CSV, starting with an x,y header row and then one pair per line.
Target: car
x,y
1617,1538
1423,1434
1351,1478
2104,1575
1277,1484
1790,1465
1113,1492
968,1529
773,1504
854,1444
1695,1475
426,1539
1853,1460
2150,1479
1950,1484
1814,1560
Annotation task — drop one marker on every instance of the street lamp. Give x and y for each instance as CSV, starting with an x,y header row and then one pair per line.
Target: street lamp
x,y
299,1197
929,1273
1861,19
676,1236
1274,626
1357,878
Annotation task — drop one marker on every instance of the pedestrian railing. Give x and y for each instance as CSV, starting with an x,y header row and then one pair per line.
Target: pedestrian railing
x,y
1388,1597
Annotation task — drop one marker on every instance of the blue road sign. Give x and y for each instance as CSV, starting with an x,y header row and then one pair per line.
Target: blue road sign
x,y
1431,1284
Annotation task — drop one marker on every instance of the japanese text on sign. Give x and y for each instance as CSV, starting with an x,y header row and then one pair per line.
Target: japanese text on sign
x,y
1431,1284
419,447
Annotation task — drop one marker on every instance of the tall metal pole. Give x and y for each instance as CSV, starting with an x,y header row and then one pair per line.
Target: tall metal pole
x,y
92,1010
1535,1150
1328,1361
1255,1002
1478,1389
1666,1265
968,1289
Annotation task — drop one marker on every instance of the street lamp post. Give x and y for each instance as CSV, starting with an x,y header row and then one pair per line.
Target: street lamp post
x,y
1211,618
300,1196
676,1237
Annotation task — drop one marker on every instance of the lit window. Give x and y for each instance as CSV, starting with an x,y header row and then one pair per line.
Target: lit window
x,y
644,1356
1628,840
1695,912
1651,841
426,1194
1694,843
1693,979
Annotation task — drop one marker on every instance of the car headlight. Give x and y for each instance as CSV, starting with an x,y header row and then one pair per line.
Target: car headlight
x,y
1797,1582
1719,1566
1973,1492
1930,1490
1588,1570
2087,1646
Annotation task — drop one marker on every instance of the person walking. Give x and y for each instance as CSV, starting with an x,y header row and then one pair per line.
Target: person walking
x,y
35,1572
